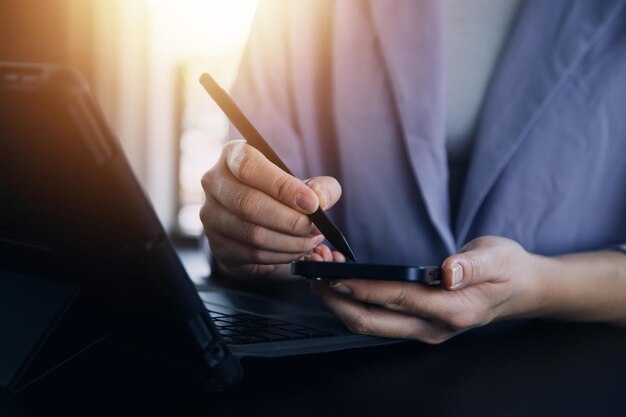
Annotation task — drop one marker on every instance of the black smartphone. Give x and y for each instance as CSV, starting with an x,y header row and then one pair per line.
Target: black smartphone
x,y
430,275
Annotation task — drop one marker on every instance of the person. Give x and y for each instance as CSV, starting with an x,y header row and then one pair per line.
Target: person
x,y
487,137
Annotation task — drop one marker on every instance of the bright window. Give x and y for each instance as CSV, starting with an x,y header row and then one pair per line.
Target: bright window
x,y
195,36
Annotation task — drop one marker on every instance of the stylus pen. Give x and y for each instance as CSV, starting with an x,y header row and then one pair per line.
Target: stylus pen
x,y
254,138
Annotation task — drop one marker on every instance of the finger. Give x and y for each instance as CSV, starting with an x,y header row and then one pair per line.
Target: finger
x,y
251,167
318,251
373,320
255,206
479,261
248,270
227,224
314,257
233,253
328,190
405,297
324,252
338,257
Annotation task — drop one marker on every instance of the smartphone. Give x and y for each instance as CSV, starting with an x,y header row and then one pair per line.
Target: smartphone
x,y
430,275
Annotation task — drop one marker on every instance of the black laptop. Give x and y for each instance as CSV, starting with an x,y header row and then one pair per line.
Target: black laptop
x,y
84,258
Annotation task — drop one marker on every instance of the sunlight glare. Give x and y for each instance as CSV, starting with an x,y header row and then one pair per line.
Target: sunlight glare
x,y
197,27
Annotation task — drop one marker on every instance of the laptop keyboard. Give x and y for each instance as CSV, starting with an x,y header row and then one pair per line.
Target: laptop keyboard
x,y
240,328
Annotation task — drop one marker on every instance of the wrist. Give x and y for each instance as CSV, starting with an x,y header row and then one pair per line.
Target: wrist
x,y
582,287
536,292
539,288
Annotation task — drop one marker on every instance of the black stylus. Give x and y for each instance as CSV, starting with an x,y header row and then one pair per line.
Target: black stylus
x,y
254,138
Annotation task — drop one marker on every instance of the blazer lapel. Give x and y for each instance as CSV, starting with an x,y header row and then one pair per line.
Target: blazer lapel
x,y
549,40
409,36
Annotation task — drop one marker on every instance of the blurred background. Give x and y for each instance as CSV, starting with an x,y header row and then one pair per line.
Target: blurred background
x,y
143,59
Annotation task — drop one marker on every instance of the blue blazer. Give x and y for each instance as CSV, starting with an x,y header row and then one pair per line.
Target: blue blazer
x,y
355,89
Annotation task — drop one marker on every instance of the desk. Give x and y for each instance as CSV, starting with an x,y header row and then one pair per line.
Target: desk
x,y
538,369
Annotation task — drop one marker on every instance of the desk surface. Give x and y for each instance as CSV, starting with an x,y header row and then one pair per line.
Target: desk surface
x,y
536,369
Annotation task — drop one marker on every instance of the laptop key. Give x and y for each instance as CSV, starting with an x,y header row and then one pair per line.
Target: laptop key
x,y
252,324
243,328
286,333
313,333
272,337
273,322
291,327
231,332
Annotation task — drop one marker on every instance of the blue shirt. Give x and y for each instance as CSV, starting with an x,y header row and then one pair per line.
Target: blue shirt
x,y
355,89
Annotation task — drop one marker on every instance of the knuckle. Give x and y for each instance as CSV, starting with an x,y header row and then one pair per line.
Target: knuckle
x,y
299,223
230,146
488,240
207,180
204,211
246,165
473,263
284,187
358,324
462,320
397,301
253,234
204,215
482,242
245,203
472,244
257,256
231,150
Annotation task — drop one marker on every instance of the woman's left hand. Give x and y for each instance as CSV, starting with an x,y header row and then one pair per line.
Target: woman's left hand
x,y
490,278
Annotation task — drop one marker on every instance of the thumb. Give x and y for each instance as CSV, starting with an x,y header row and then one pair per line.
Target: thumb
x,y
471,267
328,190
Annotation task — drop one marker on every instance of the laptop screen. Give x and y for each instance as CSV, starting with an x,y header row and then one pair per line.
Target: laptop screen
x,y
72,211
65,184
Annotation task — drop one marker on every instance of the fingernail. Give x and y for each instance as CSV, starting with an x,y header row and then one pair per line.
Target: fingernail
x,y
339,287
457,276
318,239
306,202
322,195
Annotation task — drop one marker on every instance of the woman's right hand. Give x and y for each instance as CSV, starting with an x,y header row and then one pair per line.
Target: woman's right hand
x,y
255,214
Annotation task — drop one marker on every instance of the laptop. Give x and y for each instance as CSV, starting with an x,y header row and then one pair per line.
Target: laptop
x,y
84,258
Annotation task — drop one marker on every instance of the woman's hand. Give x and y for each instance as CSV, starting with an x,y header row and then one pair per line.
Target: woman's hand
x,y
491,278
255,214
